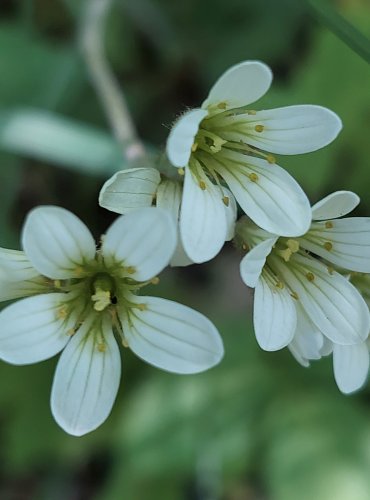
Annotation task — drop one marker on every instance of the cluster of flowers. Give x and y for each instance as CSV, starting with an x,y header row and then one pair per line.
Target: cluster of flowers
x,y
308,266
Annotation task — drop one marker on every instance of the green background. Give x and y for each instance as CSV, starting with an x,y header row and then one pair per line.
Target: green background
x,y
258,426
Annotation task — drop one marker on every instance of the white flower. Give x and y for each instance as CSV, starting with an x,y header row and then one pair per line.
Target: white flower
x,y
128,190
82,297
223,141
350,362
295,291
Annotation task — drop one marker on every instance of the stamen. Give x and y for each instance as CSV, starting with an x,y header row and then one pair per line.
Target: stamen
x,y
310,276
202,185
142,307
329,224
295,295
251,112
222,105
154,281
62,312
181,171
328,246
253,177
78,271
194,147
102,346
57,283
259,128
226,200
130,269
270,159
245,247
280,285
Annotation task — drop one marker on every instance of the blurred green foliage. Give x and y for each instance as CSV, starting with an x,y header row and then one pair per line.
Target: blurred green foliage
x,y
258,426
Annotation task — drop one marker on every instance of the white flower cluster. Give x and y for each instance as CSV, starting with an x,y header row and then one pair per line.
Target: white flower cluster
x,y
309,266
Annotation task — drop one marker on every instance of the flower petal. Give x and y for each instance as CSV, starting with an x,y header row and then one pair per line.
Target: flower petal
x,y
32,330
143,240
266,193
203,226
57,242
289,130
253,262
331,302
18,277
169,198
86,379
308,341
231,211
171,336
240,85
344,242
351,366
335,205
182,135
274,315
129,190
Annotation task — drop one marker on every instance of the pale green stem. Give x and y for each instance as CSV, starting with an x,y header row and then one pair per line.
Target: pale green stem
x,y
104,81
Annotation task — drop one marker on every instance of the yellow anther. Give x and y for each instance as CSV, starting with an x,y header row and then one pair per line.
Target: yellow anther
x,y
57,283
245,247
222,105
154,281
293,245
131,269
310,276
70,332
251,112
271,159
328,224
78,270
253,177
181,171
101,299
294,295
331,270
124,343
142,307
194,147
102,346
328,246
202,185
280,285
259,128
226,200
62,312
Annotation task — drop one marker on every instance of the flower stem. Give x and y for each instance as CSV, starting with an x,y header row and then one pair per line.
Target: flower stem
x,y
104,81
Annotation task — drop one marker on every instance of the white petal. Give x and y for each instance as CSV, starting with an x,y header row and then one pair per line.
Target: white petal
x,y
231,211
169,198
203,225
308,341
182,135
275,201
172,336
240,85
351,366
331,302
18,277
348,240
57,242
288,130
129,190
144,239
274,315
252,263
86,379
31,331
335,205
